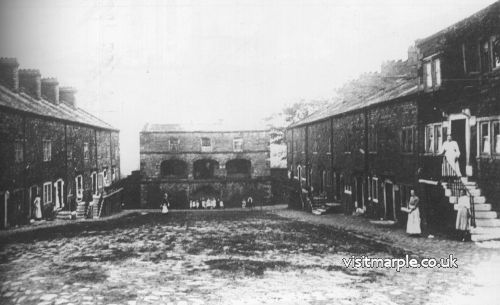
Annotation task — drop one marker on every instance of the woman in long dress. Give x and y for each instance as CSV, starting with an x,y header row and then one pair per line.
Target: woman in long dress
x,y
38,207
463,215
451,152
413,224
165,204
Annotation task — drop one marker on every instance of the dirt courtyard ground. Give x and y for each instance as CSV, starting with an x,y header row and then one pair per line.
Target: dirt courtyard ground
x,y
208,257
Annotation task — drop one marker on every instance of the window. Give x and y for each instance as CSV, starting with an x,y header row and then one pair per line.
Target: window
x,y
429,139
485,138
79,187
173,144
372,139
329,146
432,73
19,151
407,135
315,147
206,144
113,173
428,74
86,152
496,136
47,192
485,56
238,144
471,57
47,150
495,48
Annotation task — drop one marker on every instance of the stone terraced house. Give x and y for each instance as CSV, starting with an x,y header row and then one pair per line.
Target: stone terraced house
x,y
49,146
189,162
384,138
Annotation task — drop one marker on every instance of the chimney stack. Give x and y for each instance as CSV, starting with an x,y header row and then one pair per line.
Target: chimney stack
x,y
67,96
30,81
9,73
412,55
50,90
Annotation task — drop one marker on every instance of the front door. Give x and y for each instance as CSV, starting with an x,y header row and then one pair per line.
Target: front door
x,y
458,135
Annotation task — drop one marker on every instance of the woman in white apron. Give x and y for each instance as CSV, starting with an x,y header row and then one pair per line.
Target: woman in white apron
x,y
413,224
38,207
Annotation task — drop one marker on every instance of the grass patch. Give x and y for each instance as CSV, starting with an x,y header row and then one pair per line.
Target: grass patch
x,y
245,267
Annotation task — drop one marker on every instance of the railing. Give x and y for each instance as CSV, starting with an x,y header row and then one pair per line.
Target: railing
x,y
456,185
111,203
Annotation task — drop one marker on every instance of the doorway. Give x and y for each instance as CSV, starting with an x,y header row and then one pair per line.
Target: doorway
x,y
389,201
59,196
458,135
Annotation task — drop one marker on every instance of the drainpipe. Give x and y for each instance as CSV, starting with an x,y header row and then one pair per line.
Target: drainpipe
x,y
366,158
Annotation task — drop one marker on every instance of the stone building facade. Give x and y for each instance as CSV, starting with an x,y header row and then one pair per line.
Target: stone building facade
x,y
369,150
49,146
207,161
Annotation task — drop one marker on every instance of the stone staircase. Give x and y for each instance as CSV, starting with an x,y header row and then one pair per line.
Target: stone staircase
x,y
487,220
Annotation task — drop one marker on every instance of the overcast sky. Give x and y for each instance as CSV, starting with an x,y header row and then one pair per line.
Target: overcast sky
x,y
201,61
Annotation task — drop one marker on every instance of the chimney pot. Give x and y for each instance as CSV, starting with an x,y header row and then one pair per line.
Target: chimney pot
x,y
9,73
50,90
30,81
67,96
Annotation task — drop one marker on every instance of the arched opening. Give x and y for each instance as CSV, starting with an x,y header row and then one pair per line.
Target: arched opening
x,y
238,168
205,168
204,191
173,168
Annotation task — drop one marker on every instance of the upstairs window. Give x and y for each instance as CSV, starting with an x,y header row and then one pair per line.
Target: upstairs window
x,y
329,145
47,150
407,136
69,152
347,143
238,144
471,57
19,151
86,151
495,49
206,144
372,139
432,73
173,144
485,56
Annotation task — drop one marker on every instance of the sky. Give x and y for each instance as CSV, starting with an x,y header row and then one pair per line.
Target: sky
x,y
185,61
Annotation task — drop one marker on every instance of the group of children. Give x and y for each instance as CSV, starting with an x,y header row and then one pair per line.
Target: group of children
x,y
206,203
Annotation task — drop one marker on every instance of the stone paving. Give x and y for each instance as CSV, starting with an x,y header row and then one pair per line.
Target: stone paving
x,y
230,257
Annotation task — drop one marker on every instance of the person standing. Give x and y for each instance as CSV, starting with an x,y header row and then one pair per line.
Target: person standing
x,y
37,207
463,216
413,224
165,204
451,152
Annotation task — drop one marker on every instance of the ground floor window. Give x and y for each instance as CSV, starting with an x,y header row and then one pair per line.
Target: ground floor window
x,y
435,134
489,136
373,189
47,192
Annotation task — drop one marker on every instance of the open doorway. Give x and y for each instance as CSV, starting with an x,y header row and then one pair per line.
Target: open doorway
x,y
458,135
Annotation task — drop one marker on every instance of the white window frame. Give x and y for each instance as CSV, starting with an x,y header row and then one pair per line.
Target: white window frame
x,y
490,121
238,144
432,72
113,173
172,145
47,186
47,150
105,177
86,151
206,148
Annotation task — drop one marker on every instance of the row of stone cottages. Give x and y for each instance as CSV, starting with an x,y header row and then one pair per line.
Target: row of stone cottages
x,y
385,138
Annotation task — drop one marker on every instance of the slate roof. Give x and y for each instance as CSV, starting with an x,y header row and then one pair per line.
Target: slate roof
x,y
483,21
25,103
217,127
396,88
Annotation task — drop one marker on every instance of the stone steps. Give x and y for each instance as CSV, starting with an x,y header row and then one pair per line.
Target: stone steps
x,y
493,222
64,215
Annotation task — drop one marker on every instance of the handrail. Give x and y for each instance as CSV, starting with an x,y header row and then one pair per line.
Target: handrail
x,y
448,171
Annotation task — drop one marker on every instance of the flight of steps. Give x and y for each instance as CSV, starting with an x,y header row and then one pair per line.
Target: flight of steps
x,y
487,220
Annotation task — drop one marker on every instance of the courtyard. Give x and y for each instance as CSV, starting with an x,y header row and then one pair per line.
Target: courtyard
x,y
225,257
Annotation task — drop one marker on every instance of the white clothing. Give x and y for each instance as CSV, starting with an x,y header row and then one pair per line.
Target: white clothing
x,y
451,152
